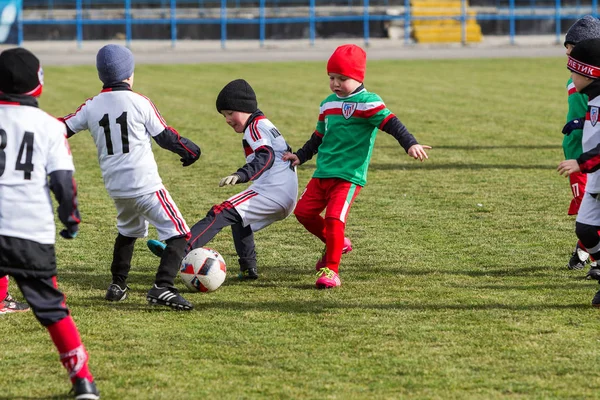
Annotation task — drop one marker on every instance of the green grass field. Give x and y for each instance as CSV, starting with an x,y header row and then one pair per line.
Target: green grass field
x,y
456,288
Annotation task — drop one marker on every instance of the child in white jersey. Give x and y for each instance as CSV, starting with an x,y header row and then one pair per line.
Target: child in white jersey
x,y
122,123
344,138
584,64
35,160
272,195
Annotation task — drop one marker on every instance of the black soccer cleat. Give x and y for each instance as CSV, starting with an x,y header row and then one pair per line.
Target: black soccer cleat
x,y
578,260
168,296
84,390
248,274
115,293
10,305
594,272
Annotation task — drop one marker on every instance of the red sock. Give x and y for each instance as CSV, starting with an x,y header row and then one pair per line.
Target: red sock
x,y
73,356
335,242
3,287
314,224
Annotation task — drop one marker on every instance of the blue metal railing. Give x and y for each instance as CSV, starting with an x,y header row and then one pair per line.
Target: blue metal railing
x,y
510,10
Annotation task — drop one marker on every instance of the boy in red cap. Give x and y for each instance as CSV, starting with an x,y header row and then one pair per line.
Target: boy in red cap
x,y
344,138
584,64
35,159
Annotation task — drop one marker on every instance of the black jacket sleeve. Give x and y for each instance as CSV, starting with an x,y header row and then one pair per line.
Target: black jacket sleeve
x,y
310,148
397,129
171,140
590,160
64,188
264,157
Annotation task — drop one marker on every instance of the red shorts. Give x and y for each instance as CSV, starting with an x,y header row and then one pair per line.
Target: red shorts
x,y
578,181
333,195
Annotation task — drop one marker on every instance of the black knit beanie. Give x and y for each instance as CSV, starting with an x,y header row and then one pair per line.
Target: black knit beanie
x,y
20,72
584,28
585,58
237,96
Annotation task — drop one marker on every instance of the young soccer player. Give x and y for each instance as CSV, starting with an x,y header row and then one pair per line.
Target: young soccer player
x,y
584,64
271,196
35,159
9,304
587,27
122,123
344,138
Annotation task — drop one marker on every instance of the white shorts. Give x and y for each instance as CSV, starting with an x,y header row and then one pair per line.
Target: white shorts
x,y
589,211
158,209
258,211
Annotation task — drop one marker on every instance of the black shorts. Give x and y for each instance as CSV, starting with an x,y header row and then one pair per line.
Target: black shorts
x,y
26,258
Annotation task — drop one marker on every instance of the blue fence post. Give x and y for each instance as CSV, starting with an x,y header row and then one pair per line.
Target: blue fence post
x,y
173,23
557,20
463,22
511,14
20,24
223,23
128,23
261,17
366,21
79,23
407,21
311,22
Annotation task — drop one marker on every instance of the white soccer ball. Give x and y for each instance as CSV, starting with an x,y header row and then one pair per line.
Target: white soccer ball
x,y
203,270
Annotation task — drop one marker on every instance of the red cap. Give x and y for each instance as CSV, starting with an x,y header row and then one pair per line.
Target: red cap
x,y
348,60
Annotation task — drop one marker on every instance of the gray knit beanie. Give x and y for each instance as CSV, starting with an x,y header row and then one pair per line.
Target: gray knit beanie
x,y
114,63
584,28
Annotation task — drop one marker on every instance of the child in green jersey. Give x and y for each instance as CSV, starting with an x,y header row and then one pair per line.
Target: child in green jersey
x,y
587,27
344,138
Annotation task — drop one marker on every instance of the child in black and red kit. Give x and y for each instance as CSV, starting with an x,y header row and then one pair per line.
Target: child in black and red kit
x,y
584,64
344,138
34,159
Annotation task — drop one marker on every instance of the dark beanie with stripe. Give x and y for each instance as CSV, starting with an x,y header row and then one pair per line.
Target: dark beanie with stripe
x,y
237,95
20,73
585,58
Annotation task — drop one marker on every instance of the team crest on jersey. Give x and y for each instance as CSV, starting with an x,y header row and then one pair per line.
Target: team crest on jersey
x,y
348,109
593,115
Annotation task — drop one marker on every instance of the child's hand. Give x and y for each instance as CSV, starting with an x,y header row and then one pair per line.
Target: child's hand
x,y
287,156
418,152
567,167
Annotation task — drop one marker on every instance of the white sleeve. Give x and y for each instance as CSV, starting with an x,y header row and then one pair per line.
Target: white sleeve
x,y
78,121
59,153
155,123
259,134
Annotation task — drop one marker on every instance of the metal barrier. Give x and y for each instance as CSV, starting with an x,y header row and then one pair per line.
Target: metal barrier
x,y
175,13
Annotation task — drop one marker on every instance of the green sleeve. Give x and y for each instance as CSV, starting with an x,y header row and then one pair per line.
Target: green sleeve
x,y
577,109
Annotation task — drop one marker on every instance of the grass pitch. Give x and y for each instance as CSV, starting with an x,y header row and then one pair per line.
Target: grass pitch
x,y
456,288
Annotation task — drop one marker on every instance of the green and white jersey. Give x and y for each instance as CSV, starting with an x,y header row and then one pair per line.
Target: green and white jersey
x,y
349,126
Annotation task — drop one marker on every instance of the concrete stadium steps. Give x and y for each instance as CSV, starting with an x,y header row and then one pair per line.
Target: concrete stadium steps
x,y
440,22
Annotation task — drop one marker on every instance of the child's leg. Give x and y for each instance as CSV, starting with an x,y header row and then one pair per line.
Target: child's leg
x,y
3,287
589,238
217,218
243,239
310,205
121,263
341,197
48,305
169,261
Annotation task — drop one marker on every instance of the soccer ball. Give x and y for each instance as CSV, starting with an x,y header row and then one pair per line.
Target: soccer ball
x,y
203,270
